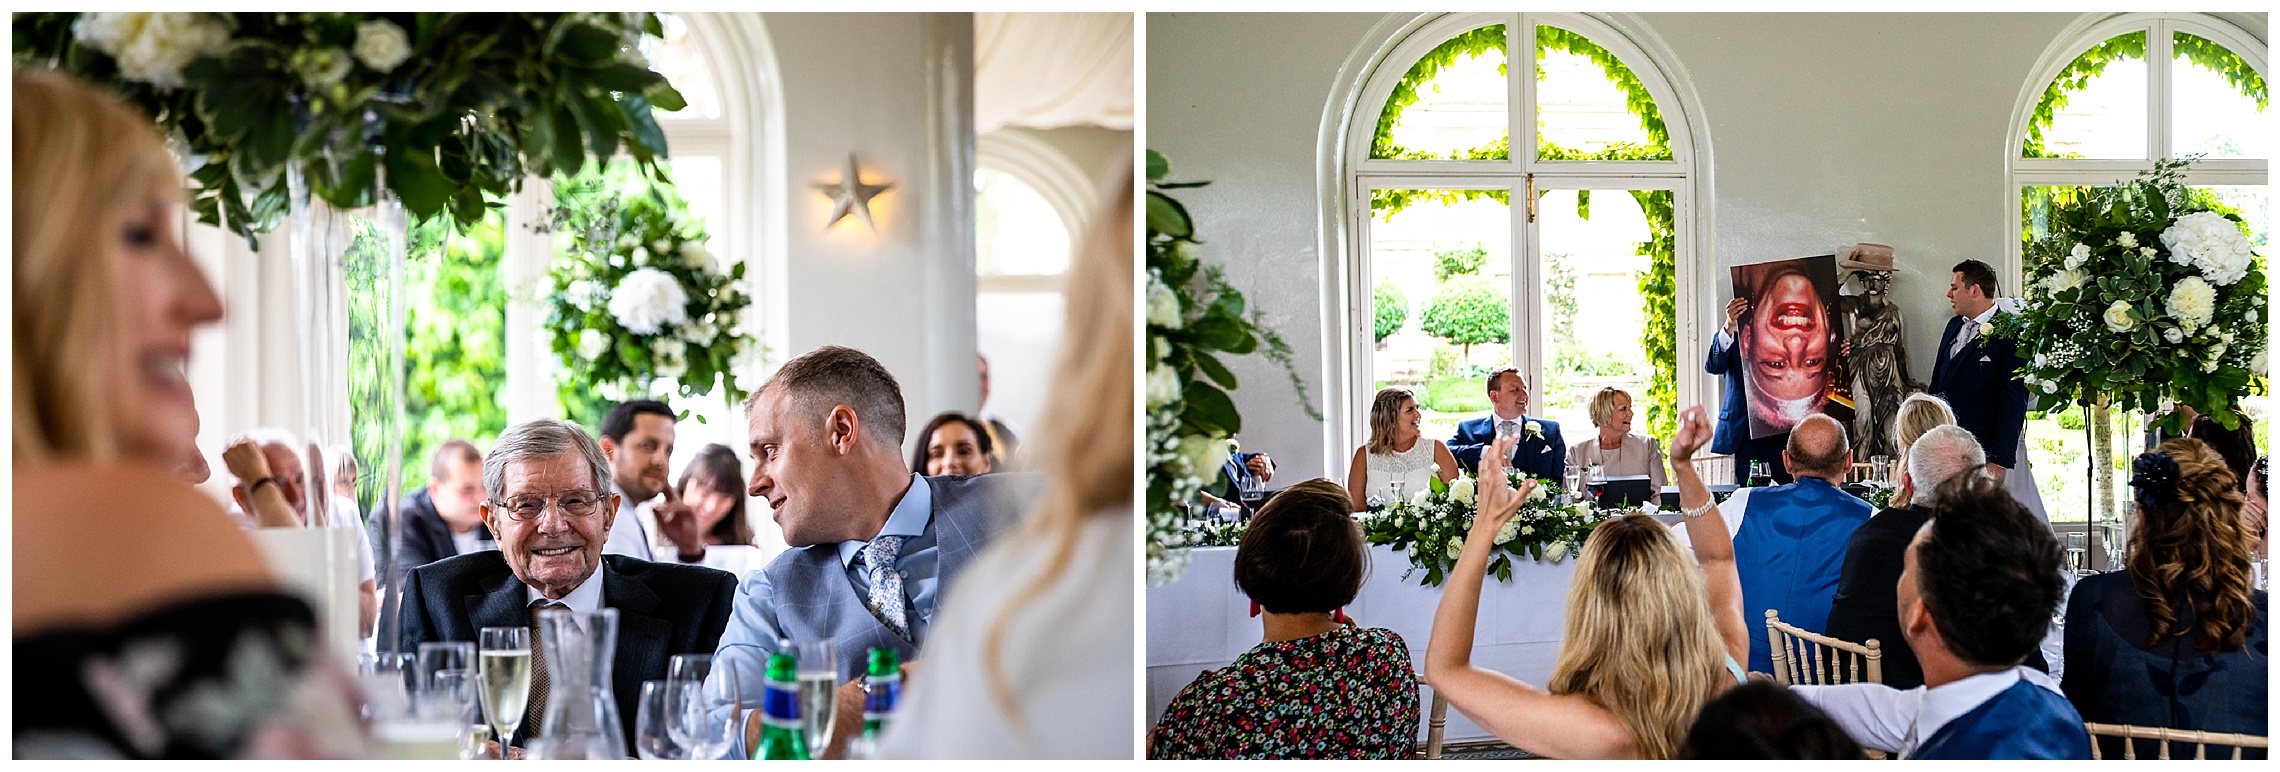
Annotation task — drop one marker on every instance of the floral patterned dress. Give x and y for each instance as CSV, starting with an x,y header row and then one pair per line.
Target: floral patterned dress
x,y
233,676
1345,694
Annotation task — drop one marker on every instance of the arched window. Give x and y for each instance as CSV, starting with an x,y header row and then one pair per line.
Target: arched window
x,y
1532,210
1030,206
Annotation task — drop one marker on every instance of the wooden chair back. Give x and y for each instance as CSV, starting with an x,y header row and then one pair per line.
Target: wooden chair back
x,y
1714,469
1807,658
2164,737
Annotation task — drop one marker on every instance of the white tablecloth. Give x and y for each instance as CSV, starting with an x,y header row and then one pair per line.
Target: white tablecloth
x,y
1203,622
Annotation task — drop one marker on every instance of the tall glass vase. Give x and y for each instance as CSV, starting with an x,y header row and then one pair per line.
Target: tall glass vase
x,y
582,719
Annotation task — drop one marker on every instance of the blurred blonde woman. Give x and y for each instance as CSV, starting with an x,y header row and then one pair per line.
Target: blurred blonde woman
x,y
1032,657
1918,414
1617,450
1397,452
1649,638
146,624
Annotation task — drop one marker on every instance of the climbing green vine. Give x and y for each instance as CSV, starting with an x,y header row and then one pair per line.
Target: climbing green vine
x,y
1659,285
2092,63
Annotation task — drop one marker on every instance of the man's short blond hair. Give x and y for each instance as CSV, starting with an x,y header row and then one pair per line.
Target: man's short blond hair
x,y
831,376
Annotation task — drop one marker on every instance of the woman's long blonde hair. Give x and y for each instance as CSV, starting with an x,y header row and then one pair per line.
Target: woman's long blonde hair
x,y
80,156
1385,410
1090,438
1919,413
1640,641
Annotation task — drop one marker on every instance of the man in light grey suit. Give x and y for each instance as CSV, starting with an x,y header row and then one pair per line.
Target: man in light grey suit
x,y
873,545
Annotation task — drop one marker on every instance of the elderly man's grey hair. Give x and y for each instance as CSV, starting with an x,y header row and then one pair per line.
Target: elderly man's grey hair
x,y
539,439
1940,455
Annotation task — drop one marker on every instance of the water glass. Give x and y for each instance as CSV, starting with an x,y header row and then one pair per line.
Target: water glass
x,y
688,667
698,732
438,656
653,723
1880,469
818,688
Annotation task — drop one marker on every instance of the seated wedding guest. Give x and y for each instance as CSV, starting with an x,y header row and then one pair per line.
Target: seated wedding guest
x,y
1733,437
546,499
713,526
1648,640
1867,601
637,436
2181,637
1976,594
873,544
1790,539
1240,469
1317,688
1919,413
270,482
1617,450
1033,657
444,517
116,560
1762,720
951,443
1541,452
1397,452
2256,512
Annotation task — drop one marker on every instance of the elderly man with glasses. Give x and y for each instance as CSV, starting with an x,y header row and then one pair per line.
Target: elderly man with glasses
x,y
549,501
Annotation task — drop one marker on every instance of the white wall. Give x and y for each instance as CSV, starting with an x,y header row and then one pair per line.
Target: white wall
x,y
1824,130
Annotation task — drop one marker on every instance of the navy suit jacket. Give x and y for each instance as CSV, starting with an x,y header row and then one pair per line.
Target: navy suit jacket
x,y
1733,416
1546,457
1983,385
663,610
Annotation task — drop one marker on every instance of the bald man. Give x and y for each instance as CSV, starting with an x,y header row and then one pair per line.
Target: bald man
x,y
1789,540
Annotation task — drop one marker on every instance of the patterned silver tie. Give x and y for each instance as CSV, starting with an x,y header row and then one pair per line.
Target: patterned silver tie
x,y
886,583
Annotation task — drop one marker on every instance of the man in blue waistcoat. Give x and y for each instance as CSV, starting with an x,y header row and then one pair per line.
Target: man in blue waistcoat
x,y
873,545
1976,595
1790,541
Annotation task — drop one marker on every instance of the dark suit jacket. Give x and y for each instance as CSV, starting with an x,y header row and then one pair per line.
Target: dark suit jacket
x,y
1983,384
1732,436
663,610
427,538
1545,457
1867,603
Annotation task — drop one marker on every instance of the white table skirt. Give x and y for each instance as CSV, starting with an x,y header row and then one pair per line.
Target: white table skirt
x,y
1202,622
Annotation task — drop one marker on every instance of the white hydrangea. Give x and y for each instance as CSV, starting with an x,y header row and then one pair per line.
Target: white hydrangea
x,y
152,47
2211,243
591,344
584,293
2193,302
2118,317
2077,256
381,45
670,356
1163,303
648,300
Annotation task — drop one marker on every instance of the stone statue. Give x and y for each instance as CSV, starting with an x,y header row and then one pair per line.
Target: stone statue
x,y
1879,350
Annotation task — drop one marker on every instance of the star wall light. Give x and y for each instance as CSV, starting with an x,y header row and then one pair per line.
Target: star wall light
x,y
851,196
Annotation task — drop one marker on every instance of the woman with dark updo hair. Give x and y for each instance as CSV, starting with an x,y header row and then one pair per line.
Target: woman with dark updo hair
x,y
2179,639
1319,687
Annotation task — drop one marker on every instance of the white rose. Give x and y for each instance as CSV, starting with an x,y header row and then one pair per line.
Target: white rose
x,y
698,334
2252,316
1555,552
625,243
381,45
2256,364
2147,251
1163,386
326,66
2192,301
1986,328
1462,491
2118,317
2079,255
1417,499
1537,494
591,344
1456,547
2127,239
671,357
648,300
2211,243
1163,304
694,255
2173,335
2063,281
152,47
640,256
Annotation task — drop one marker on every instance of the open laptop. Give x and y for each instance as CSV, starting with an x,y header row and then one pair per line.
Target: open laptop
x,y
1626,491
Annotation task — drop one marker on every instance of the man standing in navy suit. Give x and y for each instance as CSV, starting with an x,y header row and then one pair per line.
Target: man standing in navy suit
x,y
1733,434
1541,452
1978,374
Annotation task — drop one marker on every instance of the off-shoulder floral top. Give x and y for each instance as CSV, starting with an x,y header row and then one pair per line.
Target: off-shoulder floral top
x,y
1345,694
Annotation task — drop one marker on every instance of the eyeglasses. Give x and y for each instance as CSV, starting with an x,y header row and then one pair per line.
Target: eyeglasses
x,y
528,508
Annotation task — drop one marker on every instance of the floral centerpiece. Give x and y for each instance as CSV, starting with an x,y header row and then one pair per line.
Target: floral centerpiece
x,y
1194,317
1431,526
638,300
446,110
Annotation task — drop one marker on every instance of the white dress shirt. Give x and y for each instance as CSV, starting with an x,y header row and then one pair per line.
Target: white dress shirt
x,y
626,536
1970,331
1897,721
586,598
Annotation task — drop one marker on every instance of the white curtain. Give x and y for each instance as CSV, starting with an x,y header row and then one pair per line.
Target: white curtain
x,y
1050,70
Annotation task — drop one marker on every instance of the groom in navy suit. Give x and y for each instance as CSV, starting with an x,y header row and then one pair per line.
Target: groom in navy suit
x,y
1978,374
1733,434
1540,452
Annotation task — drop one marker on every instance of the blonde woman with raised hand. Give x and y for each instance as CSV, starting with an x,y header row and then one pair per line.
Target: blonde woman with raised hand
x,y
1648,639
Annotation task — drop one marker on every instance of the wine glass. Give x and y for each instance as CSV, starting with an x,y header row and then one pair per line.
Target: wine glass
x,y
699,733
688,667
818,688
438,656
653,722
1880,469
503,660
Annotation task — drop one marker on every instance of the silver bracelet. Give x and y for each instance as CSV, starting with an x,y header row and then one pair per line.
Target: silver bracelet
x,y
1698,511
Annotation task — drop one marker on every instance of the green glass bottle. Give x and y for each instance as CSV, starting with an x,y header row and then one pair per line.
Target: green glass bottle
x,y
780,734
883,688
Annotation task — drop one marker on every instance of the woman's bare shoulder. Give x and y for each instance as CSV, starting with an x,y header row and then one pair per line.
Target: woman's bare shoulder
x,y
96,542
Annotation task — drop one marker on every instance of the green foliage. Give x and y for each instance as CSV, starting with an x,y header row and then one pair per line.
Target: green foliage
x,y
1390,307
1658,289
455,344
2224,63
1458,261
1636,99
1431,529
1468,310
1466,44
2092,63
1457,393
481,101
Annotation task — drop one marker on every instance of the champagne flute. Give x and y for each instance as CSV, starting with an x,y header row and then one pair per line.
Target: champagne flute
x,y
818,689
504,661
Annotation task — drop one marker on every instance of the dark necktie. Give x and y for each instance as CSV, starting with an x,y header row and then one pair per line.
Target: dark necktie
x,y
536,710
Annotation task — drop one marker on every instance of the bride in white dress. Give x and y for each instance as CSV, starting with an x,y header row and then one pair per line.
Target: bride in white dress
x,y
1397,451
